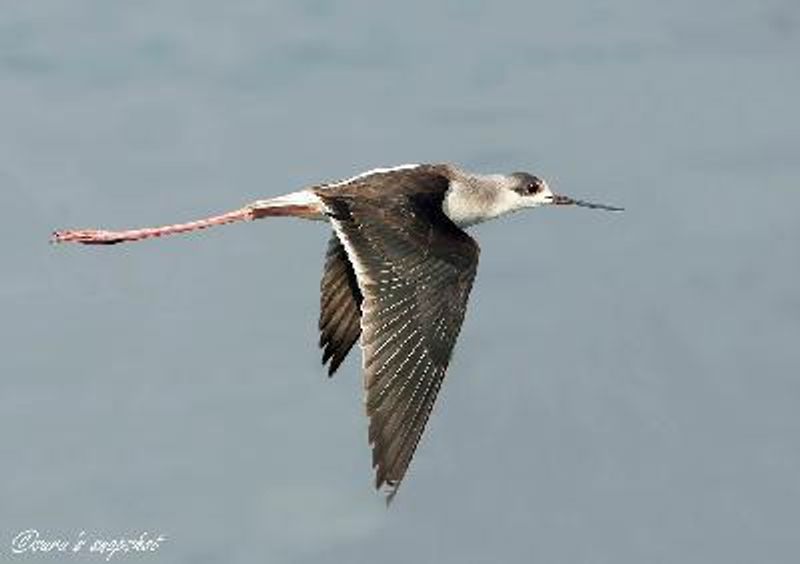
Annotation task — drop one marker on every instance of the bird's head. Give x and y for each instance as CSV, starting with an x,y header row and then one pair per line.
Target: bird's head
x,y
532,192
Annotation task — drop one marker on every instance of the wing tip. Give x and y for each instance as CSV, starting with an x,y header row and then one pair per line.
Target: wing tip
x,y
387,487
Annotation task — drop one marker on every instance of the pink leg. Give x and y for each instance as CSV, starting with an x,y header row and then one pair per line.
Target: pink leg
x,y
303,204
105,237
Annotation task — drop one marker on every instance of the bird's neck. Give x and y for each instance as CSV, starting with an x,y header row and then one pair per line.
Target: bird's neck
x,y
477,198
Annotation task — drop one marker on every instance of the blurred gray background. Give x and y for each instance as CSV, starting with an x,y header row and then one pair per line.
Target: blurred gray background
x,y
625,389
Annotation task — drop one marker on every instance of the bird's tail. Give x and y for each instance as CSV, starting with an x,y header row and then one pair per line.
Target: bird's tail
x,y
303,204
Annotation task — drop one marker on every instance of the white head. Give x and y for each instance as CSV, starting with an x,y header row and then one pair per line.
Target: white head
x,y
529,191
478,198
508,193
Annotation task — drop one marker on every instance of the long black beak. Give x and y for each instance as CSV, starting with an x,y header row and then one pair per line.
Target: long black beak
x,y
559,200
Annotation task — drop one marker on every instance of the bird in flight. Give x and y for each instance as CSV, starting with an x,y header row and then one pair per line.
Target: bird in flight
x,y
398,272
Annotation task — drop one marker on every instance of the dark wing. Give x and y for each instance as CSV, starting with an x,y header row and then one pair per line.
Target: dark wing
x,y
415,270
340,312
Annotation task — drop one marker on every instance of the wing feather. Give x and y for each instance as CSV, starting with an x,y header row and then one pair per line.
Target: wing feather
x,y
340,306
415,270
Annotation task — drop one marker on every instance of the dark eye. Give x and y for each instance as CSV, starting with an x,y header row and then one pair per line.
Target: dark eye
x,y
534,187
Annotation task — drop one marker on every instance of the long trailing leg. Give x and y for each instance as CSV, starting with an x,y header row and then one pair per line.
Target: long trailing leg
x,y
303,204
